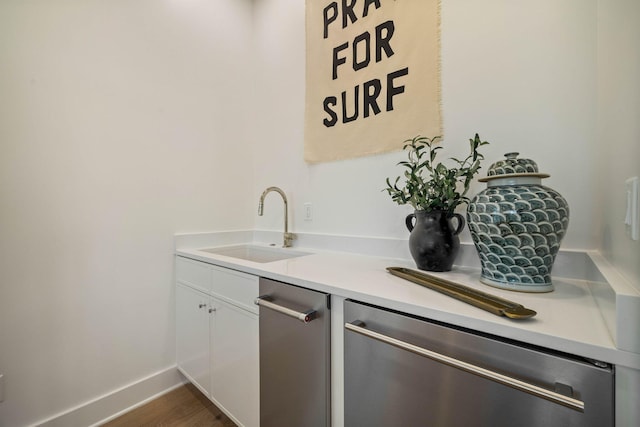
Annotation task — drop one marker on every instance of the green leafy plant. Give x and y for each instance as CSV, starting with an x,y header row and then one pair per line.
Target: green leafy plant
x,y
433,186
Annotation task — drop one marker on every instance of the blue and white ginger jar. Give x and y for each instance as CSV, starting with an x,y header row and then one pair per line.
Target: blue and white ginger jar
x,y
517,225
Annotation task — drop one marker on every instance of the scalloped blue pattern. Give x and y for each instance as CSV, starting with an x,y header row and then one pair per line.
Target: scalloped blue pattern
x,y
517,230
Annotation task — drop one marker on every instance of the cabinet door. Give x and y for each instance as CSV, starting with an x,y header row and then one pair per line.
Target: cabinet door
x,y
235,362
192,336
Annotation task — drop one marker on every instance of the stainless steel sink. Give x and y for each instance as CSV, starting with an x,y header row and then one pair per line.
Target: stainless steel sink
x,y
255,253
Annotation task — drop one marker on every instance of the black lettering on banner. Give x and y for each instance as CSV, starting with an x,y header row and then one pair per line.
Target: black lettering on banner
x,y
347,12
330,13
366,37
338,61
345,118
328,19
394,90
371,91
370,99
330,100
384,33
382,43
368,3
367,97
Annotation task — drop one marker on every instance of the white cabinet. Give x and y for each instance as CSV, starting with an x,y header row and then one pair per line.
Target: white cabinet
x,y
235,380
192,335
217,336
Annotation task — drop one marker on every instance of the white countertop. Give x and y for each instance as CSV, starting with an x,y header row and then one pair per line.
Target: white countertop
x,y
572,318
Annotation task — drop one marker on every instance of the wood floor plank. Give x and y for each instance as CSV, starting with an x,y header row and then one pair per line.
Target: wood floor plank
x,y
182,407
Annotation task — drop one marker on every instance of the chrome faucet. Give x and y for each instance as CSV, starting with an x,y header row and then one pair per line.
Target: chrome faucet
x,y
288,237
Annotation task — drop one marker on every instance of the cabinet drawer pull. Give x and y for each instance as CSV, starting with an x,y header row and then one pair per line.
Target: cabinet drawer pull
x,y
304,317
532,389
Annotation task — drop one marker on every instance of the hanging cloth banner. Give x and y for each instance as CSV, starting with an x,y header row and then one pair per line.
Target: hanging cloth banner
x,y
372,76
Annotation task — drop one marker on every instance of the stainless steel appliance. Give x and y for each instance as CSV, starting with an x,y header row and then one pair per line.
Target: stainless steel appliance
x,y
294,356
406,371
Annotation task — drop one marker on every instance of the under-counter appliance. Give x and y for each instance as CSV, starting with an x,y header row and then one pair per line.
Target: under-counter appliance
x,y
402,370
294,356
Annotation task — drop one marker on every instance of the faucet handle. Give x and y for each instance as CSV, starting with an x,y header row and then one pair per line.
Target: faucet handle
x,y
288,238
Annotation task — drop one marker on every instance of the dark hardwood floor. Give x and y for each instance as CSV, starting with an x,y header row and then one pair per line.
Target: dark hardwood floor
x,y
184,406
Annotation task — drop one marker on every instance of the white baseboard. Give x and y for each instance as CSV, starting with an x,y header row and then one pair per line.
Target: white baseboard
x,y
117,402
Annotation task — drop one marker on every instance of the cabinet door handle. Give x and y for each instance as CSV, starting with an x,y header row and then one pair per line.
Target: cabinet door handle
x,y
532,389
304,317
212,309
202,305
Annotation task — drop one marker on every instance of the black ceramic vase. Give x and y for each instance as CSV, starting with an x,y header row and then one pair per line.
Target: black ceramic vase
x,y
433,242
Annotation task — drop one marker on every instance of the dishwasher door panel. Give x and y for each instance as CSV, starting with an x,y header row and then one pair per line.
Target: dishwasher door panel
x,y
387,385
294,358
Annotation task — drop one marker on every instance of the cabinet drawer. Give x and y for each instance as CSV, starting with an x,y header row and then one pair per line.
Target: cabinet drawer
x,y
194,274
238,288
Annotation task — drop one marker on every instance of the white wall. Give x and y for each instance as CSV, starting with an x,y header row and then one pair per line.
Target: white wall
x,y
121,123
618,125
521,74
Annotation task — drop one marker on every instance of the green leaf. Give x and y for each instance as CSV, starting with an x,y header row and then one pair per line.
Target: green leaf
x,y
427,185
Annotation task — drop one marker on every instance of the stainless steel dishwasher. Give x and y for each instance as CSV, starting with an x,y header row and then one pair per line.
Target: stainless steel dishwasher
x,y
407,371
294,356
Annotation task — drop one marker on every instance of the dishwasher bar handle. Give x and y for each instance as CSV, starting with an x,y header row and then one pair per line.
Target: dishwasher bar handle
x,y
544,393
304,317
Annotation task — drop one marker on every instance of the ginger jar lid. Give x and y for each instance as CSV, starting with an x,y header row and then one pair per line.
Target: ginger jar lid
x,y
513,167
